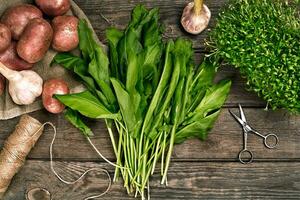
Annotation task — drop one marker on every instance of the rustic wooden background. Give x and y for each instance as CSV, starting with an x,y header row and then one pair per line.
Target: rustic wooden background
x,y
200,170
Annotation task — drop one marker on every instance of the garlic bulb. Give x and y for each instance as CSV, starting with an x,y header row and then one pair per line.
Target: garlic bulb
x,y
24,86
195,17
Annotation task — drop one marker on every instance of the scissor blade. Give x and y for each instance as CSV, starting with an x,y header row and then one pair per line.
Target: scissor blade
x,y
239,120
242,113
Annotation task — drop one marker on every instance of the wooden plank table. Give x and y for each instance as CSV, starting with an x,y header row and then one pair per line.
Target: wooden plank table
x,y
199,170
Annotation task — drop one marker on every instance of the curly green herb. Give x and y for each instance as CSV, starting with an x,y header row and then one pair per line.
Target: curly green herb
x,y
262,39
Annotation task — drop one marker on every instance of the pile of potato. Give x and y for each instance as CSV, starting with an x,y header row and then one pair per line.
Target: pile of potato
x,y
28,31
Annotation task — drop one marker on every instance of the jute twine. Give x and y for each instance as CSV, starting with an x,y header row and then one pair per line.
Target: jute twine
x,y
18,146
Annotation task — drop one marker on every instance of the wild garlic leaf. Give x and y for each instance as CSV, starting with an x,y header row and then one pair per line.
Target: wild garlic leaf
x,y
67,60
205,76
113,36
201,81
186,93
81,71
137,14
133,71
214,98
86,104
181,54
129,42
153,48
177,103
98,69
164,80
126,105
98,66
77,65
74,118
199,128
86,40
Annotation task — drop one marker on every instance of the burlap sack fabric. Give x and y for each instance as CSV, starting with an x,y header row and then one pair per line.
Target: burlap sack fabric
x,y
8,109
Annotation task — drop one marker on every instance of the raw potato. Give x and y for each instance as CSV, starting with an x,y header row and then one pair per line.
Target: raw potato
x,y
35,40
5,37
51,87
11,59
17,17
54,7
65,37
2,84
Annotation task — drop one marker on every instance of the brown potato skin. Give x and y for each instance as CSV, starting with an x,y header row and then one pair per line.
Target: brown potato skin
x,y
17,17
2,84
11,59
35,40
54,7
51,87
65,37
5,37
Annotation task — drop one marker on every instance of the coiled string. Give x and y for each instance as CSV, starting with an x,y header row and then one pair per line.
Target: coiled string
x,y
84,173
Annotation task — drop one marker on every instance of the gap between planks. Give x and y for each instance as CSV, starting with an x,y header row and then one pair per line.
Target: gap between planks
x,y
187,181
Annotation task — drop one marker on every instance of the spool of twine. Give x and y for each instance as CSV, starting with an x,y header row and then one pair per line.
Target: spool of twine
x,y
19,144
16,148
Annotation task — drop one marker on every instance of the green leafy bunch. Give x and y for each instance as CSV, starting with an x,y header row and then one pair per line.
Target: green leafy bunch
x,y
150,90
262,39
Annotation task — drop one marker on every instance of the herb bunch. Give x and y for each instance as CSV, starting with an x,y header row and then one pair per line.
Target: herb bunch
x,y
151,91
262,39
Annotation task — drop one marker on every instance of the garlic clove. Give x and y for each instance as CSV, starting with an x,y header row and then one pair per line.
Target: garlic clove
x,y
26,88
193,22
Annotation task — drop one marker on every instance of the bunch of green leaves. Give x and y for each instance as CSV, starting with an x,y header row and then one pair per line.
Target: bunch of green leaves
x,y
150,90
262,39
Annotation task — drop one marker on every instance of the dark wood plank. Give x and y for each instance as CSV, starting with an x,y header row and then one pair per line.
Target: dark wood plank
x,y
223,143
191,176
103,14
187,181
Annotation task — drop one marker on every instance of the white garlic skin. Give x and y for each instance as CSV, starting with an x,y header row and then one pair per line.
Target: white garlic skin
x,y
25,87
193,23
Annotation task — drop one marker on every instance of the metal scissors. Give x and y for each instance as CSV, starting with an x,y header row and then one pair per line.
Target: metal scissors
x,y
247,130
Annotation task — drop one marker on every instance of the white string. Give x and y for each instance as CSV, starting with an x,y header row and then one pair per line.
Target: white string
x,y
82,175
100,154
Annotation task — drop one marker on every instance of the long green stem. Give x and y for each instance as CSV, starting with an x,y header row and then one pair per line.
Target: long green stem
x,y
111,135
119,151
158,145
163,154
169,155
144,163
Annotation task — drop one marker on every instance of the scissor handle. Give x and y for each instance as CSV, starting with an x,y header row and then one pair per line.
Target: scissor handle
x,y
242,158
267,139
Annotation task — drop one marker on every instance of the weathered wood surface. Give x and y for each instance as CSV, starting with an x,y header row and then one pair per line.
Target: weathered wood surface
x,y
106,13
116,13
186,181
200,170
223,143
